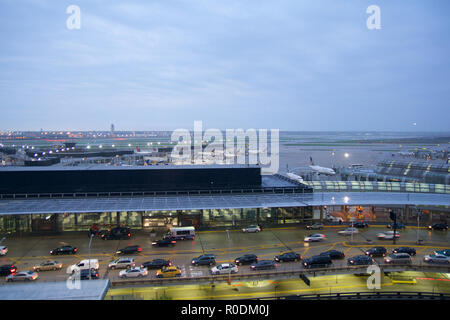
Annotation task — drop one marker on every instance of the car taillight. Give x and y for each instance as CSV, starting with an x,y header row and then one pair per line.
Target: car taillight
x,y
139,249
170,263
129,234
173,242
75,249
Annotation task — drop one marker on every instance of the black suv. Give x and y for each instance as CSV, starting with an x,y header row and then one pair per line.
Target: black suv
x,y
246,259
438,226
7,269
206,259
156,264
334,254
129,250
408,250
64,250
376,252
359,225
117,233
359,260
164,242
320,261
288,256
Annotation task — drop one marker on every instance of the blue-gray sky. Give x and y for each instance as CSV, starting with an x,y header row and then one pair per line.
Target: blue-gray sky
x,y
161,64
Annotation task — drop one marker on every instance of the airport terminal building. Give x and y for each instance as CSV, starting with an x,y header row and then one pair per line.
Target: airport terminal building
x,y
57,199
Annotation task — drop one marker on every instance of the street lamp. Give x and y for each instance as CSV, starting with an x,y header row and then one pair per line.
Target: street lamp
x,y
90,240
229,257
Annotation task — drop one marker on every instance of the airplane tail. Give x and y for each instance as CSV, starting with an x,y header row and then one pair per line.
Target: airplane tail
x,y
311,160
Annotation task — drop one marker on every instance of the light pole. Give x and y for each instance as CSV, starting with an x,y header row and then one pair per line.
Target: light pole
x,y
90,240
229,257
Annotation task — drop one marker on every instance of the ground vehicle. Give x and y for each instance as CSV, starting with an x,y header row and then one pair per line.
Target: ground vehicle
x,y
117,233
48,265
359,224
263,265
445,252
129,250
398,225
288,256
164,242
3,250
438,226
22,276
64,250
225,268
334,254
360,260
122,263
83,265
181,233
319,261
315,237
206,259
7,269
408,250
252,228
156,264
348,231
246,259
376,252
334,219
168,272
315,226
388,235
84,274
398,258
133,273
436,258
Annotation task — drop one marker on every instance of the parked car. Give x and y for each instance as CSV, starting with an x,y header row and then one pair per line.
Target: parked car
x,y
445,252
359,224
246,259
83,265
315,237
164,242
84,274
334,254
225,268
348,231
398,225
48,265
129,250
263,265
3,250
320,261
252,228
156,264
398,258
288,256
133,273
64,250
168,272
376,252
331,218
118,233
388,235
122,263
436,258
314,226
22,276
408,250
206,259
360,260
7,269
438,226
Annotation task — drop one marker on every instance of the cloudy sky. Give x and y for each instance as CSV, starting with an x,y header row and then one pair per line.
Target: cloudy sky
x,y
287,64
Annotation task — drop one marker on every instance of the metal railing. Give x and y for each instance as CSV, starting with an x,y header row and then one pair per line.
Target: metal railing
x,y
378,295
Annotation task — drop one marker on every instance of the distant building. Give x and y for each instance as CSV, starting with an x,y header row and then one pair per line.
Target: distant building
x,y
112,129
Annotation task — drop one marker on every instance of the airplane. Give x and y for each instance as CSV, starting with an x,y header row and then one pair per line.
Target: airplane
x,y
406,153
293,176
321,170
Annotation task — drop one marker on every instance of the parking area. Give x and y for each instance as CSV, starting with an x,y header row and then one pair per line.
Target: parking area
x,y
26,252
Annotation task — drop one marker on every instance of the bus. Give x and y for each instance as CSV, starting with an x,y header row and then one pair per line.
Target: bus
x,y
181,233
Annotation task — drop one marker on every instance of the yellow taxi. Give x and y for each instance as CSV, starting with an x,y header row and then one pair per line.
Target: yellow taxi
x,y
168,272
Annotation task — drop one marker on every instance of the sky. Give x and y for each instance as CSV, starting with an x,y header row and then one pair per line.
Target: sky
x,y
286,64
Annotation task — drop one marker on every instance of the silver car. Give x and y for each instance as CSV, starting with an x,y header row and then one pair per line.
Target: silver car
x,y
315,226
133,273
348,231
252,228
437,258
398,258
22,276
122,263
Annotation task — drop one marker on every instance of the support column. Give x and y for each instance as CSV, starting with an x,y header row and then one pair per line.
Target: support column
x,y
118,218
321,214
258,211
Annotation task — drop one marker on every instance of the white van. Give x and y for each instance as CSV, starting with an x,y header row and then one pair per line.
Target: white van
x,y
83,265
181,233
